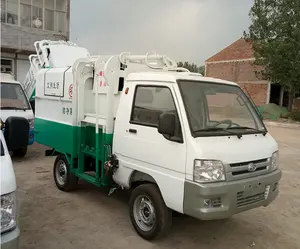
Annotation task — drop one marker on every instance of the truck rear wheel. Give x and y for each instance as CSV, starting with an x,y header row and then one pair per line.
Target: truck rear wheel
x,y
63,178
149,215
21,152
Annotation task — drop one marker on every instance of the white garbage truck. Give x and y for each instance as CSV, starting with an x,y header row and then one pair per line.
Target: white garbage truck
x,y
177,140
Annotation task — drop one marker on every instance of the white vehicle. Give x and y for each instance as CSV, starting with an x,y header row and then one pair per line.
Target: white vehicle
x,y
180,141
15,103
9,229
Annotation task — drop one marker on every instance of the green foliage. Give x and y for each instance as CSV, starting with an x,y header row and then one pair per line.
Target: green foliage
x,y
272,111
285,115
275,35
192,67
294,115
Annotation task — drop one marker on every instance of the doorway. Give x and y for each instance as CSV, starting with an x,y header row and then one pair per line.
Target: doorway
x,y
279,96
275,94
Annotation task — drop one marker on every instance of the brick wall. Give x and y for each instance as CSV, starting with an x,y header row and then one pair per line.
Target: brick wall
x,y
240,49
243,73
258,92
236,71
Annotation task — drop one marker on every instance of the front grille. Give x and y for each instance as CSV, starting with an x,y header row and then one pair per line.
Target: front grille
x,y
247,171
247,163
252,199
242,168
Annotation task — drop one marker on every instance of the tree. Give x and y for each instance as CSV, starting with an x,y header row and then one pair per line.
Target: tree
x,y
192,67
275,36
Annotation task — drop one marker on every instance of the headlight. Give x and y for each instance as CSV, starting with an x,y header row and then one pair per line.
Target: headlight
x,y
8,212
274,161
208,171
31,124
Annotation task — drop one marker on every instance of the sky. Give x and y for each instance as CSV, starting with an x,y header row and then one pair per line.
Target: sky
x,y
185,30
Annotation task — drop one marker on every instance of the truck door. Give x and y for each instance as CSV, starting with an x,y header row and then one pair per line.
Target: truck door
x,y
139,145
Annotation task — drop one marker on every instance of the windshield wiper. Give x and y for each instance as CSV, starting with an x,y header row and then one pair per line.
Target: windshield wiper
x,y
220,129
249,128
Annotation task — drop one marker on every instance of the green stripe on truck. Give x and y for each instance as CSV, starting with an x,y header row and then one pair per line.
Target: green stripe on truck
x,y
61,137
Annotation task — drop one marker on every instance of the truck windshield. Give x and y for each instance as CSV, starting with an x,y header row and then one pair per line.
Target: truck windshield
x,y
219,109
13,97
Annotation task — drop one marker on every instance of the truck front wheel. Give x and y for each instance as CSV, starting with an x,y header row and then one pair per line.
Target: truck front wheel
x,y
63,178
149,215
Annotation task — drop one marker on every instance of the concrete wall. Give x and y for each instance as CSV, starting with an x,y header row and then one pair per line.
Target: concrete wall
x,y
20,38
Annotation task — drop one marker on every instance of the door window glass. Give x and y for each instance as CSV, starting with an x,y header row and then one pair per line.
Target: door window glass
x,y
149,103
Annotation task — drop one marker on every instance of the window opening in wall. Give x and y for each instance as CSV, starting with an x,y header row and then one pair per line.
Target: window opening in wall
x,y
3,11
10,11
37,14
61,22
49,15
25,13
6,66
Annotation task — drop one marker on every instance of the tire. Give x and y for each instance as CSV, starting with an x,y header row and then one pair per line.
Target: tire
x,y
149,194
21,152
63,178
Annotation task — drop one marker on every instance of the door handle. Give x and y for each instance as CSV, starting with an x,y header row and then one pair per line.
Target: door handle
x,y
133,131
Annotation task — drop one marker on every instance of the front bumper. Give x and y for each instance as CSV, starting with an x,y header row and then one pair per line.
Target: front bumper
x,y
10,240
222,200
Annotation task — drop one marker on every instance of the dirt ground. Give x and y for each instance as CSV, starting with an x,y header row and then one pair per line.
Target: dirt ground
x,y
89,218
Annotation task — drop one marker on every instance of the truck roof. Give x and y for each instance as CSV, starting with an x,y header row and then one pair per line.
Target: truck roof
x,y
172,77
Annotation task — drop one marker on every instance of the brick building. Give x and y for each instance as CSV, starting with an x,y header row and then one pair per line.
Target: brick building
x,y
235,63
25,21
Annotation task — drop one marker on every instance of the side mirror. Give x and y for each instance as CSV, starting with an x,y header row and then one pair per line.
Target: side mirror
x,y
166,124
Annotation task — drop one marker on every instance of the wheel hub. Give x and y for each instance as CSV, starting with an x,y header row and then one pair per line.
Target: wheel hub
x,y
144,213
61,172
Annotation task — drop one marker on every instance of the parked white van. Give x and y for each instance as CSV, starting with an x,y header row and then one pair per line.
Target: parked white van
x,y
15,103
9,229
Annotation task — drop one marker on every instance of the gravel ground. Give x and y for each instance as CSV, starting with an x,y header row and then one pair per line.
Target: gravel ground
x,y
89,218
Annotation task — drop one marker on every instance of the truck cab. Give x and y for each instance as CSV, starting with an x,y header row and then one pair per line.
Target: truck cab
x,y
15,103
200,140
